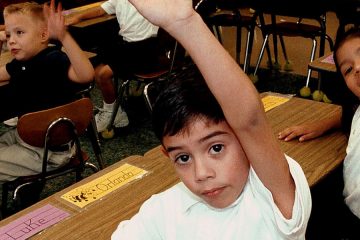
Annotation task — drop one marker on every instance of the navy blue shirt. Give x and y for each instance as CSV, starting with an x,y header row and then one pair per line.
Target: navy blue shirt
x,y
41,82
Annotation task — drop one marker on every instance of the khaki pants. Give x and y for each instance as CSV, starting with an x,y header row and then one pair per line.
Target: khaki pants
x,y
20,159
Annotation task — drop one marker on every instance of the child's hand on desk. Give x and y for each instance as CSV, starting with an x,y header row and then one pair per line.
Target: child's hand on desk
x,y
72,20
303,132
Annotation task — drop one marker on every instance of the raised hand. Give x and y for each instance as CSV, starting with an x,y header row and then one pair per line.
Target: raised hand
x,y
55,21
165,13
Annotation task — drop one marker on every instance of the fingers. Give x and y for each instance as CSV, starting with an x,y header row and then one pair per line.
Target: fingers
x,y
291,133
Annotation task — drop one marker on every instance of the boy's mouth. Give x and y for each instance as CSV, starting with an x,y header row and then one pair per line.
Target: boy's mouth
x,y
14,51
213,192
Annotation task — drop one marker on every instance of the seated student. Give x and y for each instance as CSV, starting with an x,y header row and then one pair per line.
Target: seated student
x,y
39,77
347,61
236,182
134,50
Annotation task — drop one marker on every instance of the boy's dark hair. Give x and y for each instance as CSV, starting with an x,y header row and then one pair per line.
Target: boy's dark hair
x,y
182,102
348,100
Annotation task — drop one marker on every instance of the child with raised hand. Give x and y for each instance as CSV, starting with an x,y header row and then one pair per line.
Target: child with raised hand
x,y
39,77
235,180
133,50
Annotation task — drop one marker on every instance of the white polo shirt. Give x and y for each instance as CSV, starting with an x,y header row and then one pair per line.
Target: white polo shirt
x,y
179,214
352,167
133,26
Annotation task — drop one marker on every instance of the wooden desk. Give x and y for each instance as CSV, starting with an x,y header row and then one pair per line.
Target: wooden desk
x,y
320,65
88,22
99,220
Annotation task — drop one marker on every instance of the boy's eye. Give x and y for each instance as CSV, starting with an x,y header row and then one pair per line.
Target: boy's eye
x,y
182,159
19,32
217,148
347,71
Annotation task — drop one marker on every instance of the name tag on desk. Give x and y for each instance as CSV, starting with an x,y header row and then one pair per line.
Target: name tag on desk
x,y
99,187
272,101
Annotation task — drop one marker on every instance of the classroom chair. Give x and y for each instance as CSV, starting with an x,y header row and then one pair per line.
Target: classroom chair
x,y
54,129
231,13
167,63
300,19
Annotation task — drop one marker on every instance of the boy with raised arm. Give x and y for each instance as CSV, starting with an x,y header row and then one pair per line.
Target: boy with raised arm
x,y
39,77
236,182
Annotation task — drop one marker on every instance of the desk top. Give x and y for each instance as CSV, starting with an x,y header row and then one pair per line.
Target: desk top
x,y
99,219
87,22
324,63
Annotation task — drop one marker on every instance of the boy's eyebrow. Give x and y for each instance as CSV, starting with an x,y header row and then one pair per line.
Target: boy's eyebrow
x,y
211,135
357,51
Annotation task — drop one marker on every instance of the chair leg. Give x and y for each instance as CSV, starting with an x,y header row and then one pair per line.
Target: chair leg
x,y
218,33
311,59
146,96
248,49
261,54
118,101
283,48
95,142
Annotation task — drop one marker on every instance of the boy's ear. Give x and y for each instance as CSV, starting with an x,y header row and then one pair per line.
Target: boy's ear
x,y
45,35
164,151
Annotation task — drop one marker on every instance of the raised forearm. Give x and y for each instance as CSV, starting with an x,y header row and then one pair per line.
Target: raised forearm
x,y
81,69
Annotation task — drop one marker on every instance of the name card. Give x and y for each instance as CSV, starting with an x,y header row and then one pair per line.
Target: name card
x,y
99,187
272,101
32,223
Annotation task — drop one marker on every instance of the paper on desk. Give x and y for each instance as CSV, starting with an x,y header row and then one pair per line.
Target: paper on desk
x,y
99,187
32,223
329,59
272,101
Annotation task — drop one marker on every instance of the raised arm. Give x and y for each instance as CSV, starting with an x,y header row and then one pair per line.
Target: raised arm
x,y
81,69
236,94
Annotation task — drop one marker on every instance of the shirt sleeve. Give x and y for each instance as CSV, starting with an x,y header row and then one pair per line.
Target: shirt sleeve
x,y
143,225
296,226
109,7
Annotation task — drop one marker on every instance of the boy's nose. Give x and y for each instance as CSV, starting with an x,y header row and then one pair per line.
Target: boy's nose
x,y
203,170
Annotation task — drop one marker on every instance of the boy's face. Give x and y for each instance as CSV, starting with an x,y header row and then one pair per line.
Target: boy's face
x,y
348,56
210,161
26,37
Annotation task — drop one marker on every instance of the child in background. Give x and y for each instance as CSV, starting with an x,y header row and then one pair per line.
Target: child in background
x,y
347,61
39,77
236,182
134,50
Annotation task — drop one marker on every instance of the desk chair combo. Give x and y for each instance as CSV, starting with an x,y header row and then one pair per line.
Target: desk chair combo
x,y
167,63
302,20
230,13
53,129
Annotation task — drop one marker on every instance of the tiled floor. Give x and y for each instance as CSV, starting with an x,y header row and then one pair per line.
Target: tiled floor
x,y
298,49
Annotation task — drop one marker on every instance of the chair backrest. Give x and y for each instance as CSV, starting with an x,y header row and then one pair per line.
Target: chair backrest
x,y
32,127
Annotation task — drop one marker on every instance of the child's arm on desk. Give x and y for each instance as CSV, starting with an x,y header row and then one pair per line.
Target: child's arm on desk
x,y
88,14
231,87
81,69
311,130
